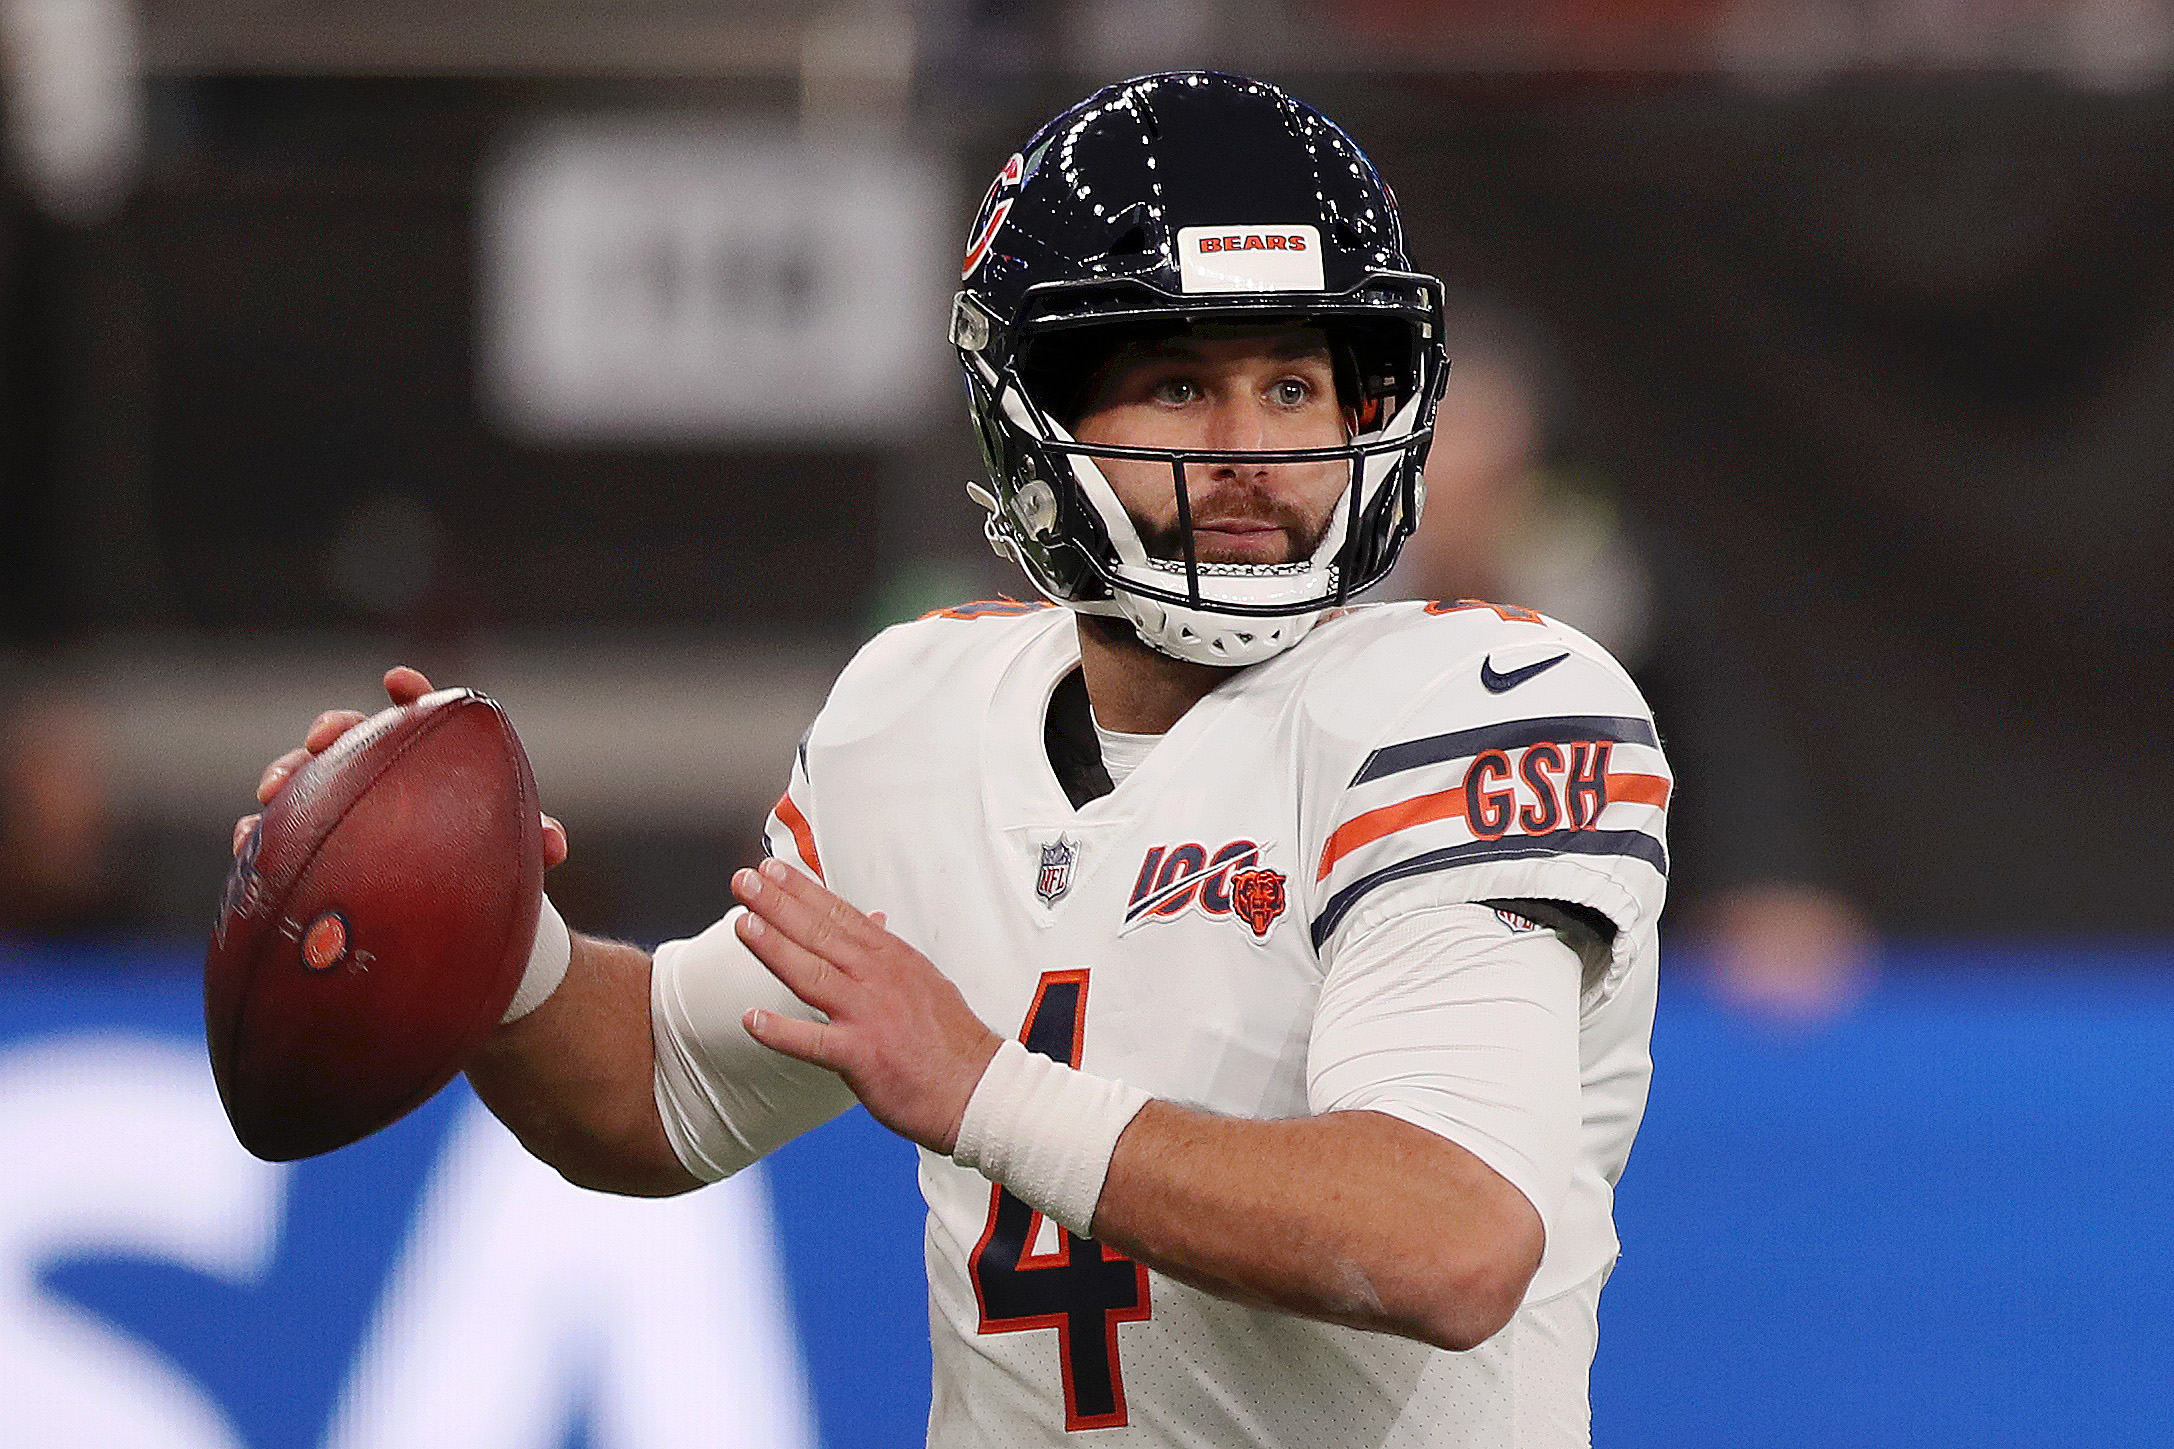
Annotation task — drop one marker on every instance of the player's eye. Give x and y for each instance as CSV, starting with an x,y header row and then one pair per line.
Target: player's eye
x,y
1290,392
1175,391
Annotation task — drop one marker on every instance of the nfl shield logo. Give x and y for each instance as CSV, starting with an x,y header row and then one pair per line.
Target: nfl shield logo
x,y
1056,873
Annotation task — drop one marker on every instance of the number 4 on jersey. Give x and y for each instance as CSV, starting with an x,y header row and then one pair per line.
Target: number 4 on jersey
x,y
1081,1289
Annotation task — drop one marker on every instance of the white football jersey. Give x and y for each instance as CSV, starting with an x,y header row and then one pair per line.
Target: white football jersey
x,y
1180,933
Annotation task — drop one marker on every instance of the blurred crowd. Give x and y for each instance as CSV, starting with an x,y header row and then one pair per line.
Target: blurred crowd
x,y
56,811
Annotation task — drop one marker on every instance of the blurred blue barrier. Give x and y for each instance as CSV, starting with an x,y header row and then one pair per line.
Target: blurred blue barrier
x,y
1941,1222
1936,1223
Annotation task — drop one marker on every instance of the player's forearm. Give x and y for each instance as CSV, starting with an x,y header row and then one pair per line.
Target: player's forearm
x,y
573,1079
1351,1217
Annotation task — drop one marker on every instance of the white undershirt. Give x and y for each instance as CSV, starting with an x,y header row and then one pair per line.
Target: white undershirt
x,y
1122,753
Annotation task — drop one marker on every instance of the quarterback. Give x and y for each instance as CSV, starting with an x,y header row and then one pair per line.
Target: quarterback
x,y
1265,976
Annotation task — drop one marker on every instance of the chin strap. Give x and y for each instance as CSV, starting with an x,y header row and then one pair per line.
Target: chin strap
x,y
1199,637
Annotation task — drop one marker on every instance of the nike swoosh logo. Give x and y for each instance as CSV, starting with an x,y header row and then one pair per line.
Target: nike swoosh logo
x,y
1504,683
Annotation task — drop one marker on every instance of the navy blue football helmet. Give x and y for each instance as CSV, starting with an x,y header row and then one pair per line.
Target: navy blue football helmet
x,y
1162,203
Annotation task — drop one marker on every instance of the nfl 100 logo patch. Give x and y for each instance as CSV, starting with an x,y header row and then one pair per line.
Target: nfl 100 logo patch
x,y
1231,882
1055,876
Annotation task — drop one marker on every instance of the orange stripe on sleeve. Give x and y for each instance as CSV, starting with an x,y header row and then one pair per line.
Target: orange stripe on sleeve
x,y
998,608
1638,790
1374,824
789,816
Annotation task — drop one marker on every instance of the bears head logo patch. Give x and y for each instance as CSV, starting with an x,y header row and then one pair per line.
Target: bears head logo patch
x,y
1257,898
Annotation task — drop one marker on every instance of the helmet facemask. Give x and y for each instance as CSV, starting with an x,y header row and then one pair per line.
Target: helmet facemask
x,y
1058,515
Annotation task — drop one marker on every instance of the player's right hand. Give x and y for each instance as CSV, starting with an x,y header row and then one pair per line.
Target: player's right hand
x,y
403,685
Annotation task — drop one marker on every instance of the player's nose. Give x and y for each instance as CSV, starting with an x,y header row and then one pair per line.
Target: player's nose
x,y
1238,425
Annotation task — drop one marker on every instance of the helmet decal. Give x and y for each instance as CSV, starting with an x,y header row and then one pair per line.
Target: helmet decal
x,y
1250,258
994,208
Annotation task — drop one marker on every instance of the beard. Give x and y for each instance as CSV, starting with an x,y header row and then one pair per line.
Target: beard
x,y
1302,534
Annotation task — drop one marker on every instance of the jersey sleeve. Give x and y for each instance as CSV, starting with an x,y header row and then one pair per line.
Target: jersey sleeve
x,y
789,833
1553,788
1461,1020
726,1099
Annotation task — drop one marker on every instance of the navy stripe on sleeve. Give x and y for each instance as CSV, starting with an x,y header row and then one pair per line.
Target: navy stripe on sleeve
x,y
1512,735
1634,843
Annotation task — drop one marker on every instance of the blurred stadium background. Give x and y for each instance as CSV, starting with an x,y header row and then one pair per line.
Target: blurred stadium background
x,y
1817,353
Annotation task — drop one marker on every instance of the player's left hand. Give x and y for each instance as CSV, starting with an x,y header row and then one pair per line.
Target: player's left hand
x,y
899,1032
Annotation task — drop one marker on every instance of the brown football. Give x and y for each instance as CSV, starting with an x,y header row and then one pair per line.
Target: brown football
x,y
374,927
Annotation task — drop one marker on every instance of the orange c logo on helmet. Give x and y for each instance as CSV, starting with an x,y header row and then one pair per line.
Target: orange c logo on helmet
x,y
994,208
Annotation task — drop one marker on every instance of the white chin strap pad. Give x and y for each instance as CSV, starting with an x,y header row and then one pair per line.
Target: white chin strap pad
x,y
1199,637
1211,636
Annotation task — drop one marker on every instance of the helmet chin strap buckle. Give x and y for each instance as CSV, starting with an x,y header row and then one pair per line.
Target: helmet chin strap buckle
x,y
1033,507
992,527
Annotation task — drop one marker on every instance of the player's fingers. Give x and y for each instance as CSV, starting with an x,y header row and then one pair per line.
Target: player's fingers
x,y
810,1041
276,773
805,973
555,846
328,727
242,827
816,917
405,684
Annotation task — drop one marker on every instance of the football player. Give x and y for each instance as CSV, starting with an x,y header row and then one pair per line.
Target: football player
x,y
1266,977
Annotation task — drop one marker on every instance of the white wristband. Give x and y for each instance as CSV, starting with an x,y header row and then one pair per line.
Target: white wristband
x,y
1046,1132
548,957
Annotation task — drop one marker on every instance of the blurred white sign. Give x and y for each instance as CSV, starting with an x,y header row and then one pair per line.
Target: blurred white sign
x,y
517,1307
645,281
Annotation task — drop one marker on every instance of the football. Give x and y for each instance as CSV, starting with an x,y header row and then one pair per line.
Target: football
x,y
374,927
